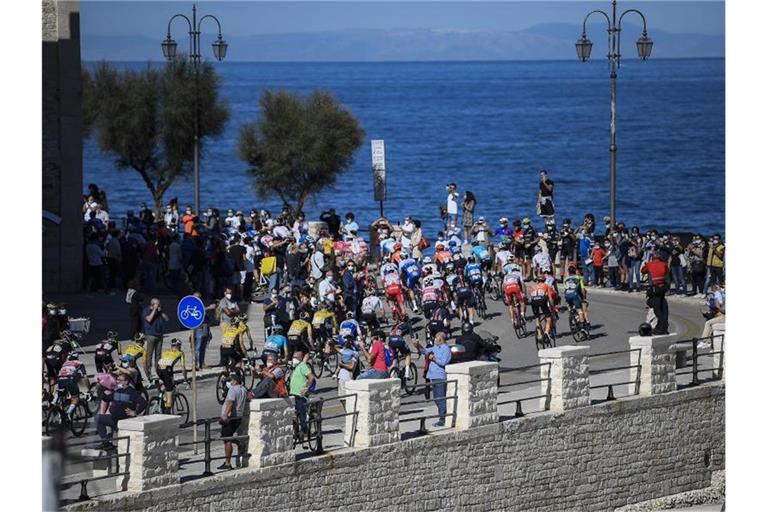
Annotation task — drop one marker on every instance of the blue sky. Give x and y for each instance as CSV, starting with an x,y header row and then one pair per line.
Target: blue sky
x,y
240,18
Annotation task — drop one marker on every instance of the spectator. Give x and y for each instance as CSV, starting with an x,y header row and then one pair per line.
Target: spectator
x,y
716,311
451,205
546,205
154,329
634,257
126,402
237,255
114,257
468,217
228,309
438,356
350,287
203,334
348,364
332,221
350,227
677,265
658,272
302,379
416,239
697,264
272,384
715,262
146,216
585,251
614,256
232,415
598,255
376,358
95,255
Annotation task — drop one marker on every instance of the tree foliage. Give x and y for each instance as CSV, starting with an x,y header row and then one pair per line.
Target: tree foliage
x,y
145,119
299,146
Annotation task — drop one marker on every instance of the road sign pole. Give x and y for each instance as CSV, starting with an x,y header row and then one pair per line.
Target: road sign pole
x,y
194,387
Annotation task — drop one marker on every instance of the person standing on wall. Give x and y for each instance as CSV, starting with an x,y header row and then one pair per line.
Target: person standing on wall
x,y
154,328
468,217
545,204
658,273
451,205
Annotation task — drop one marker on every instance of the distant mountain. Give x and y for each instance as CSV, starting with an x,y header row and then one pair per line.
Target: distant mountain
x,y
548,41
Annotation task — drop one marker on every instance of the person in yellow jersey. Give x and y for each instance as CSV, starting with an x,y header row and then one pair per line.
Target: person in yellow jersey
x,y
165,365
300,335
136,349
324,323
232,341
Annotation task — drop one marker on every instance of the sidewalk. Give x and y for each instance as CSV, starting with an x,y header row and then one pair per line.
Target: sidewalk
x,y
110,312
682,299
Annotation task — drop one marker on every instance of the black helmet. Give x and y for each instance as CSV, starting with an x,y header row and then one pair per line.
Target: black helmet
x,y
175,342
466,328
73,356
645,329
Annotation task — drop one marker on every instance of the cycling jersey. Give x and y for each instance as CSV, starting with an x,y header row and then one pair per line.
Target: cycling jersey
x,y
474,274
541,292
392,284
169,358
275,343
481,252
106,347
442,257
371,304
388,268
348,328
231,334
430,294
298,328
429,269
502,256
323,318
136,351
574,287
72,370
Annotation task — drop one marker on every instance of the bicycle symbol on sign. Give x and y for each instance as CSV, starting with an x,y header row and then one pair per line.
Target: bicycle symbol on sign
x,y
191,311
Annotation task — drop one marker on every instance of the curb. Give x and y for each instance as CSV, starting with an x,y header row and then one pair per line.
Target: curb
x,y
693,301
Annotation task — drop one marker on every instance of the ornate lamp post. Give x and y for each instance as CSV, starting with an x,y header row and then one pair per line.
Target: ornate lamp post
x,y
583,50
219,51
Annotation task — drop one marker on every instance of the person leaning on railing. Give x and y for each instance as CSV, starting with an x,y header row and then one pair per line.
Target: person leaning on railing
x,y
438,356
126,402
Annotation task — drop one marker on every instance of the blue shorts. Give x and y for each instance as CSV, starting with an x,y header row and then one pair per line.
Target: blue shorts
x,y
574,300
410,281
69,385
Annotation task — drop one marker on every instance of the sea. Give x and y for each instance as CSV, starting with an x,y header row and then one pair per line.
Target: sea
x,y
490,127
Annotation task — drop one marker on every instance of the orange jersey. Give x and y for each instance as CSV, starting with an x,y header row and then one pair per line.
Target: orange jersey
x,y
541,290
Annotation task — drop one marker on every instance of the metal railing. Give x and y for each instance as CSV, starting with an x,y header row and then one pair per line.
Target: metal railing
x,y
354,413
72,480
427,386
683,361
519,401
241,457
610,386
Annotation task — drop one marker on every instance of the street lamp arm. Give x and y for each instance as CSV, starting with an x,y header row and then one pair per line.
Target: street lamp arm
x,y
637,12
584,25
199,23
178,16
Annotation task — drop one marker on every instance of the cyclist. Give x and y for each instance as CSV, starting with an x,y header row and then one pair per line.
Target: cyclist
x,y
103,354
349,328
502,256
430,298
474,273
464,299
136,349
410,273
513,287
371,308
232,345
71,373
542,297
55,356
576,294
300,335
393,289
442,255
386,268
482,255
541,260
275,344
400,348
324,324
428,266
165,365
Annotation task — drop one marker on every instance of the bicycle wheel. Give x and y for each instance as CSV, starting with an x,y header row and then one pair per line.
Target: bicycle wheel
x,y
333,361
53,421
541,343
79,420
221,387
412,380
92,398
180,407
494,290
316,363
249,377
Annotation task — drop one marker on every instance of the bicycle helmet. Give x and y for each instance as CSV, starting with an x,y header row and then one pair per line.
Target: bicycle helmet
x,y
450,267
466,328
139,338
175,342
304,315
350,314
73,356
526,220
242,317
515,267
277,329
571,269
111,335
427,260
546,270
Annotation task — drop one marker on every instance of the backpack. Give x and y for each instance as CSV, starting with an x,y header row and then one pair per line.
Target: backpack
x,y
388,357
423,243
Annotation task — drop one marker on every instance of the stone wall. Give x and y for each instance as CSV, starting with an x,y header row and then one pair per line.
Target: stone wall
x,y
590,458
62,146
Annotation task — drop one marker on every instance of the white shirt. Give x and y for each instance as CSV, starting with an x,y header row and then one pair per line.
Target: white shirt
x,y
281,231
542,260
249,254
316,264
452,204
348,228
371,304
502,257
327,290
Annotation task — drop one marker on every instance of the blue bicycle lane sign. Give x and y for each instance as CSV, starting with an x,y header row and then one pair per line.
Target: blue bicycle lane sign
x,y
191,312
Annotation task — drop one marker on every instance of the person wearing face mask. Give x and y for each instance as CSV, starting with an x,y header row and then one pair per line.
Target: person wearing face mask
x,y
677,265
658,284
327,289
171,218
228,308
232,411
272,383
146,216
188,221
715,262
350,288
126,402
695,254
302,380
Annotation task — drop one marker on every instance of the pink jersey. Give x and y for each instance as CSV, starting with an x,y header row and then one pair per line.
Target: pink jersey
x,y
71,369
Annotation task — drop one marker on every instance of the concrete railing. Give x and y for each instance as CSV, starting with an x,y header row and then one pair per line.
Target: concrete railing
x,y
153,443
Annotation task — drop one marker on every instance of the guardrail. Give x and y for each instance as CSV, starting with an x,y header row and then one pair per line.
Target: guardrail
x,y
74,479
241,457
519,401
684,361
423,418
610,386
354,413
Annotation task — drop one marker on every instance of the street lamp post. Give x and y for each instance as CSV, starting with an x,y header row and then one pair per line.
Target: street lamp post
x,y
219,51
583,50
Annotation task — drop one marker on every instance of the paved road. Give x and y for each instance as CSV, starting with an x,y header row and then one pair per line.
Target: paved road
x,y
615,318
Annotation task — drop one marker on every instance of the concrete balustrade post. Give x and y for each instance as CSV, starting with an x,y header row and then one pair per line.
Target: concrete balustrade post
x,y
153,447
656,357
270,432
476,393
718,342
378,412
567,374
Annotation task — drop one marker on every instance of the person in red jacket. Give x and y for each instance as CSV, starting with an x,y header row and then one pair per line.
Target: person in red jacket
x,y
598,254
658,274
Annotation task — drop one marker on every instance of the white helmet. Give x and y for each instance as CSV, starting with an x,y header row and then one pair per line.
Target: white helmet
x,y
427,260
515,267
